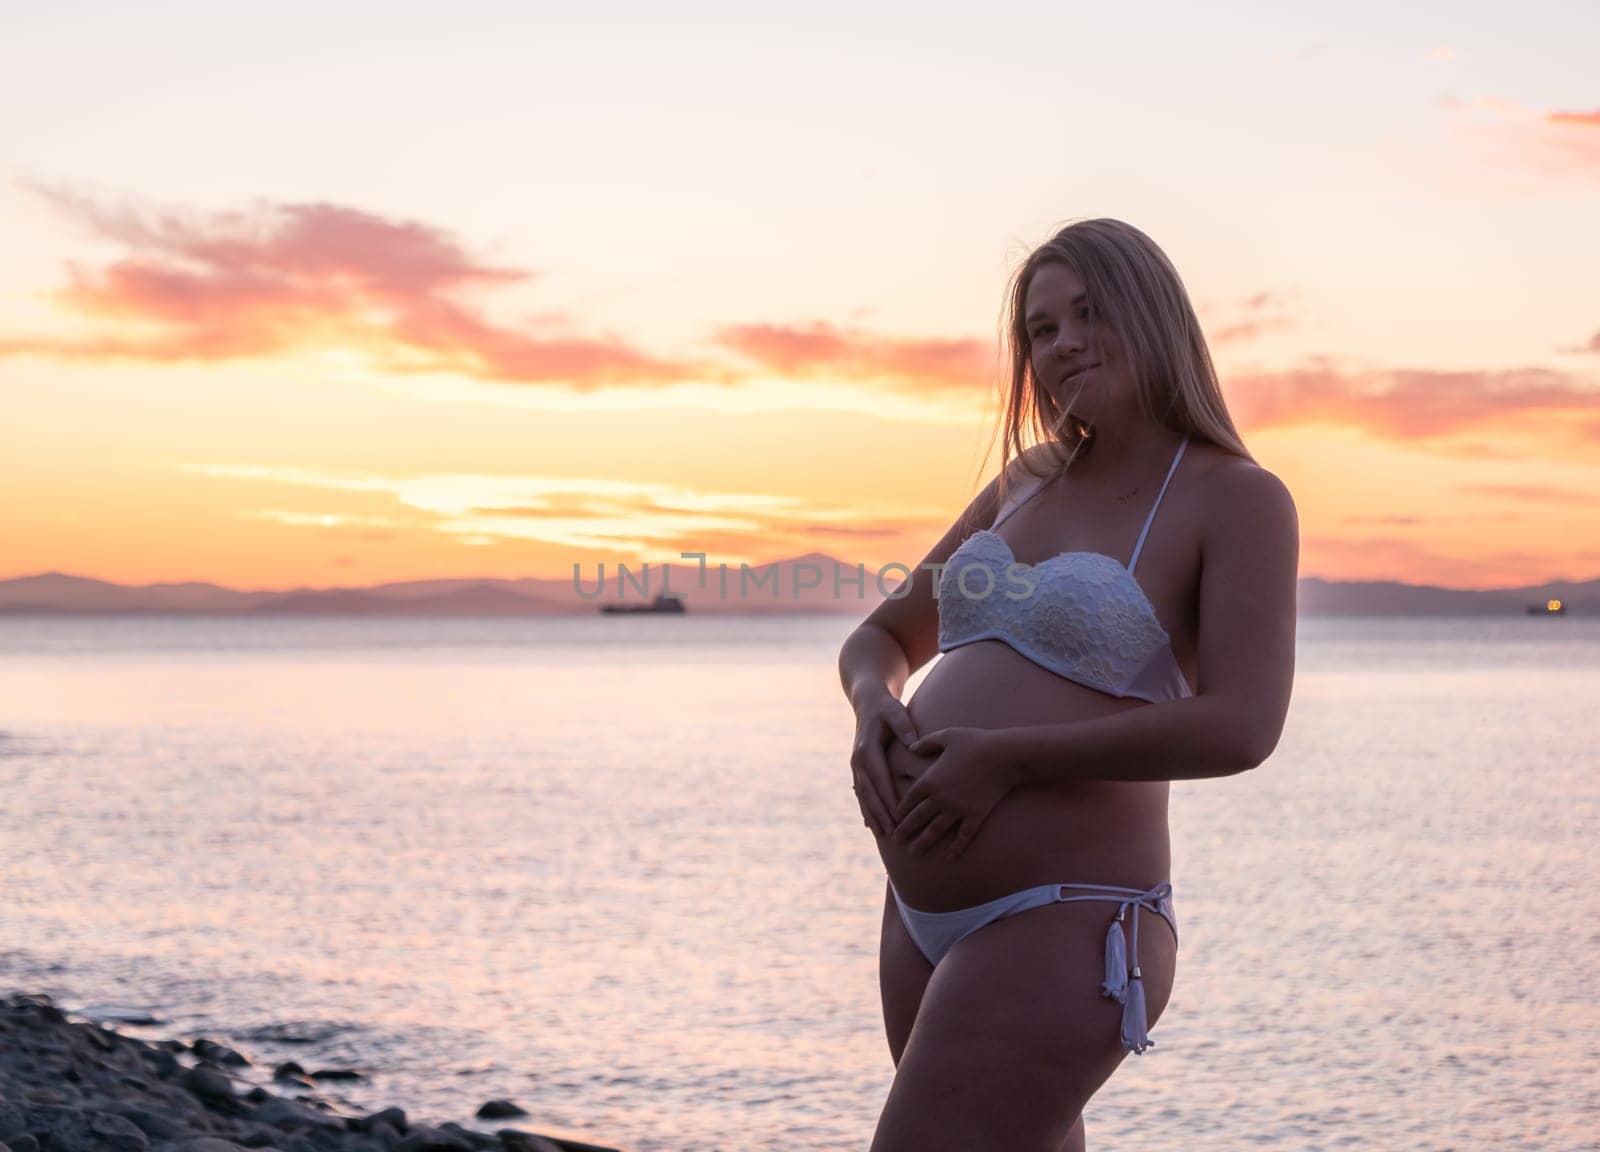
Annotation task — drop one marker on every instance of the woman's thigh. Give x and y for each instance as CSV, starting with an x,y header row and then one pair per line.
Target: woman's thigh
x,y
1012,1036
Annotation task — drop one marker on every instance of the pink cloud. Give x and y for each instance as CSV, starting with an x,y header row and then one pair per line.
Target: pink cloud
x,y
279,277
823,350
1411,404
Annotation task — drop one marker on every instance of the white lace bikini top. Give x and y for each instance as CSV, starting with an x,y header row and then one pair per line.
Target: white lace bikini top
x,y
1084,618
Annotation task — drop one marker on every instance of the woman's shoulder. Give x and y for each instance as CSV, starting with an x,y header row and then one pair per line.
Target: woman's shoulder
x,y
1240,493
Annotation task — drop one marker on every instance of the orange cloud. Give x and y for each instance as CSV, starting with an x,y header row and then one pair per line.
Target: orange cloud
x,y
1413,404
1534,493
1581,119
1515,142
280,277
821,349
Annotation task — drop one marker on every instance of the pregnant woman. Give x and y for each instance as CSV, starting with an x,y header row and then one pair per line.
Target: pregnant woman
x,y
1117,611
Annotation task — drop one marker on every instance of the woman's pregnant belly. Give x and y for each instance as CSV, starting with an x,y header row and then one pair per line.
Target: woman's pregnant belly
x,y
1099,832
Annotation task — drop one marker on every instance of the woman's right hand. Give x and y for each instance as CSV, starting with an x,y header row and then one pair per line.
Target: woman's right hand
x,y
880,719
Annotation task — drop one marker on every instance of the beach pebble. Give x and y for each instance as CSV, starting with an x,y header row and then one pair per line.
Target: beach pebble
x,y
287,1069
395,1118
500,1110
288,1115
423,1138
102,1038
72,1130
479,1140
155,1125
208,1084
219,1053
517,1141
70,1086
165,1063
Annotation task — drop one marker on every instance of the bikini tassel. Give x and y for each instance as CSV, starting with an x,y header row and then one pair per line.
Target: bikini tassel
x,y
1135,1026
1116,981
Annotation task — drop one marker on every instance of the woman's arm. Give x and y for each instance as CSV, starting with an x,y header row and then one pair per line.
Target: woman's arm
x,y
872,661
1248,581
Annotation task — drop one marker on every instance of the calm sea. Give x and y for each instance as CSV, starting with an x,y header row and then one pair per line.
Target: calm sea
x,y
612,869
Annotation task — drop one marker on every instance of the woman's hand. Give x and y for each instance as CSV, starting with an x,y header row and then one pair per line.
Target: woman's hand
x,y
967,779
880,718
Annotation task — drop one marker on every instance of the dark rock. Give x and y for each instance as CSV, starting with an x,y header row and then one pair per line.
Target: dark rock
x,y
13,1122
134,1082
290,1115
41,1009
220,1053
23,1144
422,1138
479,1140
500,1110
164,1063
395,1118
336,1074
172,1045
260,1137
153,1124
389,1136
287,1069
71,1129
258,1095
516,1141
205,1144
207,1083
101,1038
326,1139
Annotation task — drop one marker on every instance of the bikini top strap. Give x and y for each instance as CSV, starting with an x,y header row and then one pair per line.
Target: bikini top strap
x,y
1150,519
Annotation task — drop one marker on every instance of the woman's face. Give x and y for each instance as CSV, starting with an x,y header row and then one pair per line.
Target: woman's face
x,y
1076,358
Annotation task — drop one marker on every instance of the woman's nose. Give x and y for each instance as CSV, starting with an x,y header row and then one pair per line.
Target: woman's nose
x,y
1069,343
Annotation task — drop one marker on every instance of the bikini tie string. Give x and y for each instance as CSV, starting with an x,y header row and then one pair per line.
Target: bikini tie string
x,y
1115,984
1120,957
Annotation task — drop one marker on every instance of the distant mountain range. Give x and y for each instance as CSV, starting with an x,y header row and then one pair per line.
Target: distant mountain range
x,y
781,587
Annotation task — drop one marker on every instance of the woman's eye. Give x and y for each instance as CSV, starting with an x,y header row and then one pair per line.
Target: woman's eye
x,y
1040,332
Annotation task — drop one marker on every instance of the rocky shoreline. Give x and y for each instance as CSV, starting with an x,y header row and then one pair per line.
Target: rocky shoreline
x,y
77,1086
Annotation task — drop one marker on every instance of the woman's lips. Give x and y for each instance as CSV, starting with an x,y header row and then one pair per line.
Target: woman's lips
x,y
1074,375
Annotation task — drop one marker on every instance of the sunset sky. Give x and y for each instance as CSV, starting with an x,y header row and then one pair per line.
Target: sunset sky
x,y
342,294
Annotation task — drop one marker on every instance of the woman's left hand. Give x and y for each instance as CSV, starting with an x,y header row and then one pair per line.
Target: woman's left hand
x,y
968,777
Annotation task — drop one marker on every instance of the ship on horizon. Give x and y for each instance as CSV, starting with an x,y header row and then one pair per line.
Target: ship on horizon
x,y
670,605
1548,608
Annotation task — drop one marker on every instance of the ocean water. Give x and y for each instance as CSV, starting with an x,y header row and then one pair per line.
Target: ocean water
x,y
612,869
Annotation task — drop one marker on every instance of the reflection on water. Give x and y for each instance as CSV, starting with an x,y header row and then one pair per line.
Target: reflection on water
x,y
613,869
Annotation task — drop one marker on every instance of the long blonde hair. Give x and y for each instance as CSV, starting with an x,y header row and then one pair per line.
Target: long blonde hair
x,y
1134,289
